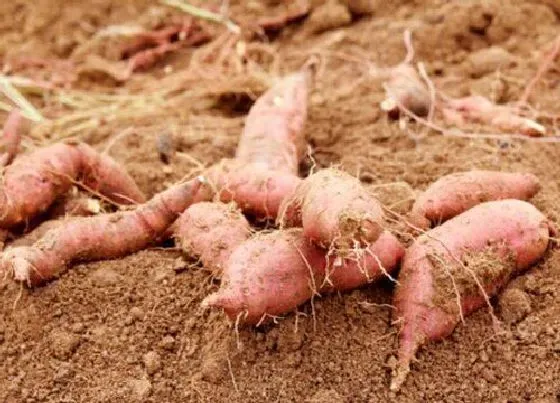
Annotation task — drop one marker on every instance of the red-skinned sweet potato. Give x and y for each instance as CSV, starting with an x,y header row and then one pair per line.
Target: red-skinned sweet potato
x,y
272,274
252,186
455,193
335,210
101,237
445,270
34,181
211,232
273,133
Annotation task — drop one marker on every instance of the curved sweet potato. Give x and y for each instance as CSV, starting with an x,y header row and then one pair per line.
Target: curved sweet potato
x,y
455,193
273,133
211,232
33,182
334,210
253,187
101,237
444,270
269,275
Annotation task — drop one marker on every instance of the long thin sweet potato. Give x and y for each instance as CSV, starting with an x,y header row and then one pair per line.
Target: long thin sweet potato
x,y
11,137
211,232
271,274
33,182
455,193
100,237
252,186
273,133
451,270
334,210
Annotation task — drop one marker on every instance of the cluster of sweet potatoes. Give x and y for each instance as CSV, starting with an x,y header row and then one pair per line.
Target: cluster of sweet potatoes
x,y
330,234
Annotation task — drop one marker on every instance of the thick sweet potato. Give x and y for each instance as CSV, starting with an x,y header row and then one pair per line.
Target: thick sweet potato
x,y
451,270
253,186
269,275
33,182
101,237
335,210
273,133
211,232
272,274
455,193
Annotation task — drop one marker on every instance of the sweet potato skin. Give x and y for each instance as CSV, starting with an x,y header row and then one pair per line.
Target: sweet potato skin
x,y
101,237
269,275
273,133
334,210
33,182
455,193
253,187
211,232
514,229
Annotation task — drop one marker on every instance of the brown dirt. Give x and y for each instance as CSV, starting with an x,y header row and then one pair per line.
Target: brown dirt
x,y
132,329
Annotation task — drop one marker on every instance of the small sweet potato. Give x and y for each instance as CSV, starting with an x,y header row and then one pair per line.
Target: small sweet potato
x,y
211,231
273,133
451,270
335,210
405,89
252,186
269,275
455,193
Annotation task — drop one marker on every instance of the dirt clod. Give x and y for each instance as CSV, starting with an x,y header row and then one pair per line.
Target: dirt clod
x,y
63,344
514,305
152,362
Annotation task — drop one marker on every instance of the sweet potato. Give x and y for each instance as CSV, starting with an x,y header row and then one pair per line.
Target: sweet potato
x,y
253,186
211,231
101,237
269,275
405,89
478,109
272,274
273,133
455,193
364,266
33,182
335,210
451,270
11,137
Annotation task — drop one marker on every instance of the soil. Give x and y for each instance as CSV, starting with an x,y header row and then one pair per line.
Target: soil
x,y
132,329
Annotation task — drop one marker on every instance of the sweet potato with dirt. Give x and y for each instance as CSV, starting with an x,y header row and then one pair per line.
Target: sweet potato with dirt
x,y
101,237
455,193
211,232
34,181
273,133
363,266
254,187
271,274
405,89
335,210
452,270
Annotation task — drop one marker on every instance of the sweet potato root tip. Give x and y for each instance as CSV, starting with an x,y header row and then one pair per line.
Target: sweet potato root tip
x,y
211,232
101,237
273,133
452,270
455,193
335,211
